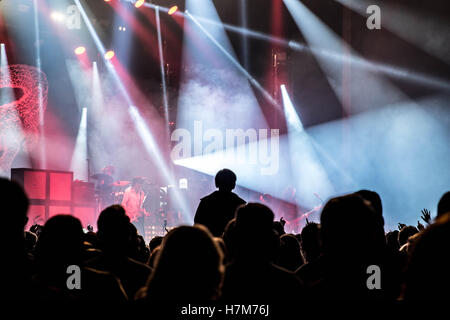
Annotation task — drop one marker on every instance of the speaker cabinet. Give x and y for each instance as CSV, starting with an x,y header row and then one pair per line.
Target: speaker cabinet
x,y
49,191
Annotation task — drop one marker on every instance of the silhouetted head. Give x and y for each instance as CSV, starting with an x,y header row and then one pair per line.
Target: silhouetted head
x,y
289,254
392,240
444,204
427,275
279,228
113,229
188,266
91,238
60,243
155,242
14,207
137,183
225,180
350,226
310,242
374,199
133,231
14,204
405,233
254,235
254,218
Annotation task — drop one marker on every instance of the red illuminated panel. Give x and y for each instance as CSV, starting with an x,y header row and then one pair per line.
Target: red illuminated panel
x,y
35,184
61,186
86,215
54,210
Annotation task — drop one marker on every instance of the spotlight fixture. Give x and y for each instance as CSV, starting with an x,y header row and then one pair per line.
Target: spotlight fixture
x,y
80,50
57,16
172,10
139,3
109,55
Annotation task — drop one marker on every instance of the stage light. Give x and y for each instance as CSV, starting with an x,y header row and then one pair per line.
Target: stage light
x,y
102,50
172,10
140,124
80,50
183,183
57,16
163,77
3,57
80,162
151,146
234,61
107,0
292,118
416,26
109,55
139,3
311,175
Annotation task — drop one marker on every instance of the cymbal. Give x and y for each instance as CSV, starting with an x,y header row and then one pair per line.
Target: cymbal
x,y
120,183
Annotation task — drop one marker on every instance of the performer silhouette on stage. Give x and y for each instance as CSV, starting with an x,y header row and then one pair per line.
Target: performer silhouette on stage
x,y
133,199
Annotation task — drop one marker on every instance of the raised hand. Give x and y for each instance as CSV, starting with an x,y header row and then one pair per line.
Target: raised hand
x,y
282,221
426,216
420,226
401,225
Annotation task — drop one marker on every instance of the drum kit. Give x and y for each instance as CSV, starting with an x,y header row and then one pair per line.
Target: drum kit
x,y
107,190
119,188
